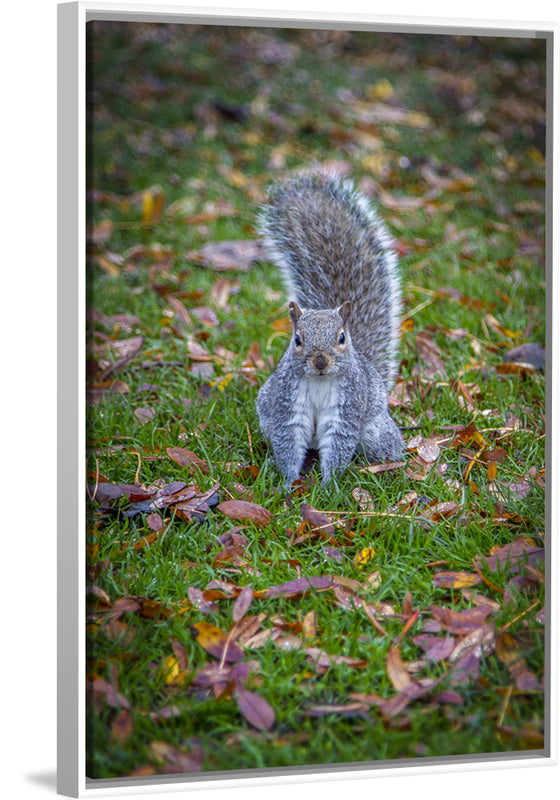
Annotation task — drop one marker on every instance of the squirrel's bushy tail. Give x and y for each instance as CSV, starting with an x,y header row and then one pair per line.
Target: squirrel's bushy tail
x,y
331,246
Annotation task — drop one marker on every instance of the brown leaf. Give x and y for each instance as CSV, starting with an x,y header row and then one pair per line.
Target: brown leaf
x,y
206,316
513,556
95,392
125,350
144,415
256,710
461,621
436,648
316,520
430,354
234,255
242,603
181,655
196,597
187,459
176,761
396,670
456,580
508,650
100,232
122,727
220,292
243,511
99,686
197,506
428,450
468,435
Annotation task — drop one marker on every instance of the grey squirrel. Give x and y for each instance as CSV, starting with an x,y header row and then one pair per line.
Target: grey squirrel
x,y
329,390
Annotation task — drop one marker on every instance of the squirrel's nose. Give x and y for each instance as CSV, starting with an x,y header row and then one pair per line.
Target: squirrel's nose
x,y
320,362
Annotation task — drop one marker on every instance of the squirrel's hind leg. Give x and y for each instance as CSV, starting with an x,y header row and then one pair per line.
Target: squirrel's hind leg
x,y
382,439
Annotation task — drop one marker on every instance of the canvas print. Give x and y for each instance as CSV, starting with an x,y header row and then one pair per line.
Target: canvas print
x,y
315,398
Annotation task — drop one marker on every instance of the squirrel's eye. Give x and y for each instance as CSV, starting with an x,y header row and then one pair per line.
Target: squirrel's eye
x,y
341,338
297,340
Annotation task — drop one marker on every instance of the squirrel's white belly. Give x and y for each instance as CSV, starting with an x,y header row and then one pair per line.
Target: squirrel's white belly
x,y
315,408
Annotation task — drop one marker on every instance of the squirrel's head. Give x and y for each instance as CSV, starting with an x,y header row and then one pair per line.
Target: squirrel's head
x,y
320,337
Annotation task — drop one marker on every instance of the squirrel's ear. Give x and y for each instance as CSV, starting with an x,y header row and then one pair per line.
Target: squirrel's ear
x,y
295,311
345,310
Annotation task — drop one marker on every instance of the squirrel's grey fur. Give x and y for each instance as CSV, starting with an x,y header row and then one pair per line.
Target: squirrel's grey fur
x,y
329,390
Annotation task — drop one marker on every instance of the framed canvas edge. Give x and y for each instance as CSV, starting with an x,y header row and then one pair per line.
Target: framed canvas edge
x,y
72,18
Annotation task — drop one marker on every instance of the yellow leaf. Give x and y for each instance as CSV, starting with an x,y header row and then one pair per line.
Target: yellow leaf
x,y
174,675
381,90
364,556
152,204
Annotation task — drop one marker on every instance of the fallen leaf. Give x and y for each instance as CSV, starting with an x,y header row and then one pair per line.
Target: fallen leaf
x,y
317,521
298,587
456,580
122,726
396,670
430,355
256,710
176,761
95,392
217,643
461,621
355,709
512,557
185,458
243,511
233,255
363,558
144,415
509,651
242,603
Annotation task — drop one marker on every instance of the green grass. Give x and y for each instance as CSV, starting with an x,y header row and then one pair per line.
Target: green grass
x,y
153,120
